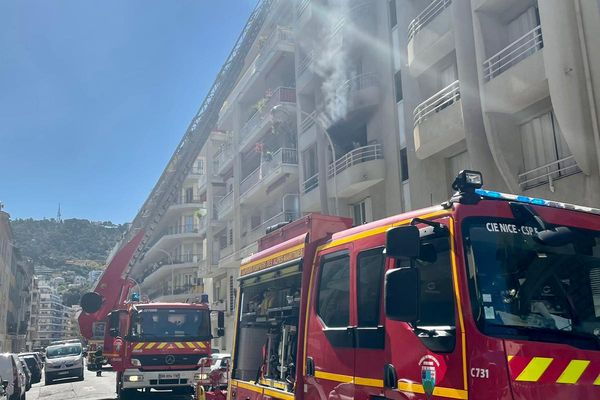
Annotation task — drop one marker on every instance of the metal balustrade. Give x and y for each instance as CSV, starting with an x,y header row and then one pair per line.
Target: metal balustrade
x,y
354,157
442,99
302,5
549,173
223,157
269,165
249,181
259,231
305,62
191,200
308,121
280,34
311,183
434,9
225,203
280,96
514,53
185,228
358,82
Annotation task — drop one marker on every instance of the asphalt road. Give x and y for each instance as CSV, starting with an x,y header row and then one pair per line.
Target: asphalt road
x,y
91,388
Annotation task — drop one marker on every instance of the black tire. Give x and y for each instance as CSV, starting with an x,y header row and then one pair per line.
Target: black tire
x,y
47,381
81,376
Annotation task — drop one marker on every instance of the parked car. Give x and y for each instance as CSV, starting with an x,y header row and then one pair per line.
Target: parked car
x,y
34,367
3,386
27,372
36,355
10,369
63,361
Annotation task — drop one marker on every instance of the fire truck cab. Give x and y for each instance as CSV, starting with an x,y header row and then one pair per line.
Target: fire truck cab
x,y
487,296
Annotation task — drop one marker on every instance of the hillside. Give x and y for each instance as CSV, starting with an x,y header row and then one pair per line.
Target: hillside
x,y
74,241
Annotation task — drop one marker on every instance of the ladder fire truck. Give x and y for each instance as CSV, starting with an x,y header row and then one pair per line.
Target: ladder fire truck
x,y
487,296
150,345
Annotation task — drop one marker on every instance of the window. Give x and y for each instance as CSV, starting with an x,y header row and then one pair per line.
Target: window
x,y
310,162
189,195
398,85
370,266
393,14
189,223
543,145
403,165
361,212
333,304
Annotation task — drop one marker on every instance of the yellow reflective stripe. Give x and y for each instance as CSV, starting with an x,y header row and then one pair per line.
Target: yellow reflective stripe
x,y
334,377
510,358
278,395
162,345
139,346
597,381
150,345
179,344
190,345
535,369
438,391
573,372
368,382
201,345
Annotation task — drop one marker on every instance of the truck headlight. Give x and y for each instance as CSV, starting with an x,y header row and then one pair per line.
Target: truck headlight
x,y
135,362
134,378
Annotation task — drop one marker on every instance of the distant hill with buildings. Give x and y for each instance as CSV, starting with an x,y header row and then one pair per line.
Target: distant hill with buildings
x,y
73,242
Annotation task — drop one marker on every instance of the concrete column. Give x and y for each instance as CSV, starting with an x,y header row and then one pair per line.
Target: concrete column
x,y
322,149
237,177
209,201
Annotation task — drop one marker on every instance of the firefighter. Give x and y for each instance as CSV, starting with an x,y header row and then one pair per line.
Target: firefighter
x,y
98,362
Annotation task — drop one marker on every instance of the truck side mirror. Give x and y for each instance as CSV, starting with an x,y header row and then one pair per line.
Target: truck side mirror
x,y
403,242
113,332
402,294
221,323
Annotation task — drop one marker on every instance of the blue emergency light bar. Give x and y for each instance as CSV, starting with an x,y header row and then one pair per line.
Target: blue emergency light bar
x,y
489,194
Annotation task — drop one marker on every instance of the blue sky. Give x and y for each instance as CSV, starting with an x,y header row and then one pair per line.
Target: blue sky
x,y
95,96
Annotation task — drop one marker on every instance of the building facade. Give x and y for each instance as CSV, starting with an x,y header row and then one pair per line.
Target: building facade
x,y
369,108
53,319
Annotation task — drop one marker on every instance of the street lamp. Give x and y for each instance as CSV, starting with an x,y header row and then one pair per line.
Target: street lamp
x,y
172,269
279,112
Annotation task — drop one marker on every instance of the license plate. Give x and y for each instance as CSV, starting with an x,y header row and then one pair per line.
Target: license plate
x,y
63,372
168,376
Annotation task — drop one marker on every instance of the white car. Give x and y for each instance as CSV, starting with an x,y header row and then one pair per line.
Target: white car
x,y
63,361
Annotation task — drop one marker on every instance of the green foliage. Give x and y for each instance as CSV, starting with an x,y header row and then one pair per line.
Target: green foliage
x,y
54,244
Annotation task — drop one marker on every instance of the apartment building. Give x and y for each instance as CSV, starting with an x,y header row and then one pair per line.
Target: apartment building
x,y
53,318
168,269
6,257
34,312
511,88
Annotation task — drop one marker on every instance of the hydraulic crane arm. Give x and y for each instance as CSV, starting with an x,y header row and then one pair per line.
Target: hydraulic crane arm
x,y
111,290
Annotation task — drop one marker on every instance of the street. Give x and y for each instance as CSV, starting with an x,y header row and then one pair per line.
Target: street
x,y
92,388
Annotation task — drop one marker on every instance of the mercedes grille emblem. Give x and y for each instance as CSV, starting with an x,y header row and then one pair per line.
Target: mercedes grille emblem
x,y
170,359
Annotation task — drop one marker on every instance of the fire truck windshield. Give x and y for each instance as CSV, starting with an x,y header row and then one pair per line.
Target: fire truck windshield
x,y
521,288
163,324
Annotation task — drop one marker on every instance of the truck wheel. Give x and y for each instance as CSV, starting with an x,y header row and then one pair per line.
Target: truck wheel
x,y
123,394
80,377
47,380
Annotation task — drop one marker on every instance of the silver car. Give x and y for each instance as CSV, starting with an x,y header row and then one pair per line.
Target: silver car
x,y
63,361
12,372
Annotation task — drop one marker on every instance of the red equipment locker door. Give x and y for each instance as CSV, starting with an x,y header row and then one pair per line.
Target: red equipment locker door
x,y
329,370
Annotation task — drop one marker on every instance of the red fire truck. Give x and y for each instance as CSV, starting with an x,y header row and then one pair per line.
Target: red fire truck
x,y
487,296
149,345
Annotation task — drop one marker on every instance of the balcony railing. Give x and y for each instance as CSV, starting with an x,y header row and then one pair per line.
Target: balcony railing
x,y
223,158
191,200
302,4
279,35
249,181
514,53
283,156
359,82
185,228
224,203
436,103
308,121
434,9
549,173
354,157
305,63
311,183
280,95
260,230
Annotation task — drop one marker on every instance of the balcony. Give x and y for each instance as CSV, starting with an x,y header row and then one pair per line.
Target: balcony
x,y
430,36
357,96
259,231
281,39
156,272
515,77
180,293
224,205
261,118
438,123
282,162
223,159
549,173
357,170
